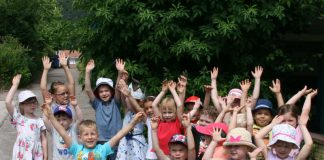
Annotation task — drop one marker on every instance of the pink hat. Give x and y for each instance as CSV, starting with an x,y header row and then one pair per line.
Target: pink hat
x,y
237,93
208,130
178,138
284,132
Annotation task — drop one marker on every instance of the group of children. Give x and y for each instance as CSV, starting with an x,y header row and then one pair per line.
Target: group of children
x,y
234,127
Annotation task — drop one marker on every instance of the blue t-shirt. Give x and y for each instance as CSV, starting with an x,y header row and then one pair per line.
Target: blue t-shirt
x,y
100,152
108,118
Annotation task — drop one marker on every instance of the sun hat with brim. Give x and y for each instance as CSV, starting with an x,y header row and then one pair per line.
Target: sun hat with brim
x,y
106,81
138,94
63,109
24,95
235,92
239,136
264,104
284,132
178,138
208,130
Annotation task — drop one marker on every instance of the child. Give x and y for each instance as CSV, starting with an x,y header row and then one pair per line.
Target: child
x,y
189,105
133,145
150,154
283,140
218,151
88,136
65,117
262,115
238,143
105,100
59,91
180,147
31,142
169,111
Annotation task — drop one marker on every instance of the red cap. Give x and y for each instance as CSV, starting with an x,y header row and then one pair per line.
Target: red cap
x,y
191,99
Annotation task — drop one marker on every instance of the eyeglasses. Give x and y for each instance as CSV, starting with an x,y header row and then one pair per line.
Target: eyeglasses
x,y
62,94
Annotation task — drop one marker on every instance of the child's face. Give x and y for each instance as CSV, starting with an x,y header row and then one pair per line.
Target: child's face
x,y
204,120
61,96
104,93
168,114
148,108
262,117
238,152
89,136
189,107
178,151
282,149
289,119
64,120
29,106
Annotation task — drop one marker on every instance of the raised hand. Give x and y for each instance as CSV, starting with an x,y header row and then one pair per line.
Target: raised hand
x,y
120,65
63,59
73,101
46,63
47,111
171,85
245,85
276,87
48,98
305,91
230,100
208,88
165,85
257,72
154,122
214,73
124,75
16,80
236,109
140,116
122,87
312,94
182,83
255,152
185,121
90,65
217,132
277,119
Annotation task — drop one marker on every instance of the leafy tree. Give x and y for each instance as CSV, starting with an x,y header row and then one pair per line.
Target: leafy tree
x,y
163,39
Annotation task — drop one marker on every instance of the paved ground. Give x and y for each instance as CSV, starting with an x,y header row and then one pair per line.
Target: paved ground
x,y
8,133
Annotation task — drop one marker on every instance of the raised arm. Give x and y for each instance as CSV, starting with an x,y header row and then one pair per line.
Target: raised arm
x,y
298,95
182,87
155,141
249,116
59,128
64,63
11,94
155,104
245,86
77,109
176,98
308,102
216,137
190,139
256,90
87,82
44,144
122,87
214,94
307,148
195,108
208,89
48,124
276,89
43,83
115,139
120,66
233,122
265,130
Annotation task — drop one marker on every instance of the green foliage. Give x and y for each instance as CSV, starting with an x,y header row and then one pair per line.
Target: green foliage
x,y
163,39
14,60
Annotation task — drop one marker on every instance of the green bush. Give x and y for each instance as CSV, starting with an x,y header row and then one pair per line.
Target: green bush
x,y
14,59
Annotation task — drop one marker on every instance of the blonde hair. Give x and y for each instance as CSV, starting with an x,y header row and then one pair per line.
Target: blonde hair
x,y
87,124
168,103
21,108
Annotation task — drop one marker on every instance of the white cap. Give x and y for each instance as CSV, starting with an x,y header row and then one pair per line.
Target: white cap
x,y
138,94
107,81
24,95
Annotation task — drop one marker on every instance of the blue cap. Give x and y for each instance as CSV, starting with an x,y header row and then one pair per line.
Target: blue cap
x,y
263,104
64,109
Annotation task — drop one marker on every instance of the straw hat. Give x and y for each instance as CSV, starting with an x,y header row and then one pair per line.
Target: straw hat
x,y
239,136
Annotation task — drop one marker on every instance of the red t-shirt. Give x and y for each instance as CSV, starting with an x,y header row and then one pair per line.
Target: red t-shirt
x,y
165,131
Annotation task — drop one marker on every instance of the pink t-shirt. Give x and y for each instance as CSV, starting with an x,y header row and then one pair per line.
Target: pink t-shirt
x,y
165,131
